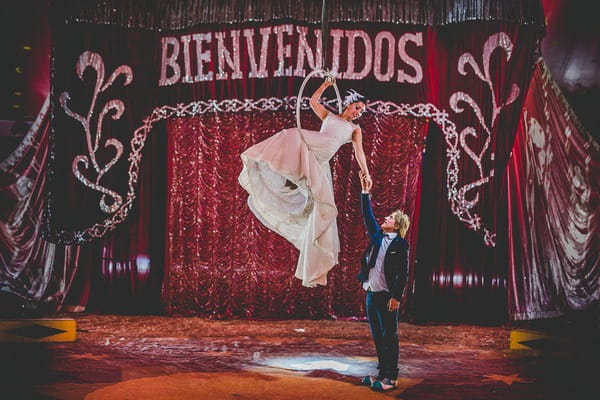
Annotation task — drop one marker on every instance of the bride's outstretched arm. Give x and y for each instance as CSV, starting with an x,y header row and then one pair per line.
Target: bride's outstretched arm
x,y
359,153
314,100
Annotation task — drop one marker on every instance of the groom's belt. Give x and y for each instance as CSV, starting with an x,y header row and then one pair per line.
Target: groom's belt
x,y
380,292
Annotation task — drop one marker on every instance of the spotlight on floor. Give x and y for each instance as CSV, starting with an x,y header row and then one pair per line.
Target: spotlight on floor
x,y
358,366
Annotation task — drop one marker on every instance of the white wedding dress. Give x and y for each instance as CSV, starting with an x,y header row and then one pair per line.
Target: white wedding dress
x,y
306,215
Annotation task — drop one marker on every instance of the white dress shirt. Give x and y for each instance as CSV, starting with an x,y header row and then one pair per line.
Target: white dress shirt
x,y
376,281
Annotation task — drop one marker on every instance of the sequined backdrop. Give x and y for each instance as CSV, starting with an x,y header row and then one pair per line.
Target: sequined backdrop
x,y
222,261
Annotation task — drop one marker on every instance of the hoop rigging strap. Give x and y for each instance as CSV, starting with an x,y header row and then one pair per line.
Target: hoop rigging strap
x,y
324,71
324,34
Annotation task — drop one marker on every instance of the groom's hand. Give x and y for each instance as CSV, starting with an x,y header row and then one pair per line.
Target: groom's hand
x,y
365,181
393,304
369,182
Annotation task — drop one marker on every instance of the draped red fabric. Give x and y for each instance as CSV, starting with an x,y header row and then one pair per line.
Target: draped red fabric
x,y
222,261
554,208
30,267
123,271
462,279
119,272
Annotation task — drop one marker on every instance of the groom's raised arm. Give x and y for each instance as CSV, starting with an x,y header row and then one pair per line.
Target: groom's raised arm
x,y
365,206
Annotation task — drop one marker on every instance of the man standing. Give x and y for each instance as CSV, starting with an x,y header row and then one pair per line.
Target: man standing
x,y
384,272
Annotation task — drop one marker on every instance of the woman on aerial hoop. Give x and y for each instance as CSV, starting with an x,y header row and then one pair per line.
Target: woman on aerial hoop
x,y
288,179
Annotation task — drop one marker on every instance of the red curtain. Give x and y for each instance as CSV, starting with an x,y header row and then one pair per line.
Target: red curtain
x,y
554,208
30,267
222,261
457,277
123,271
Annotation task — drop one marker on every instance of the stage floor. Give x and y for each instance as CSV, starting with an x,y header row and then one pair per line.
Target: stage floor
x,y
157,357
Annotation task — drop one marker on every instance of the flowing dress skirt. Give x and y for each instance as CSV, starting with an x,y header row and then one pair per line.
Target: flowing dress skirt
x,y
306,215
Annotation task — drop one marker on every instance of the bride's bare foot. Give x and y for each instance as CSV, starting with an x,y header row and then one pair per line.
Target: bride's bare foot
x,y
290,184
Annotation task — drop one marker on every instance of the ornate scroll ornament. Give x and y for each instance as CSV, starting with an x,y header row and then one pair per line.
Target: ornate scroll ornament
x,y
461,199
81,163
119,209
234,105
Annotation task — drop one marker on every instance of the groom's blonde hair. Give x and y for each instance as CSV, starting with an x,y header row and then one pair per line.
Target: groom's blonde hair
x,y
401,222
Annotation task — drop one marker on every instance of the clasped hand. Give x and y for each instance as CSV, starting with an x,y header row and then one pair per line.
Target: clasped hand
x,y
365,181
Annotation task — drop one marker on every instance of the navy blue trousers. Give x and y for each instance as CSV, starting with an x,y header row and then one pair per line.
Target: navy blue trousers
x,y
384,329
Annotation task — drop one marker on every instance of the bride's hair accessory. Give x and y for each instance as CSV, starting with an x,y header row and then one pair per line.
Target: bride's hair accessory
x,y
353,96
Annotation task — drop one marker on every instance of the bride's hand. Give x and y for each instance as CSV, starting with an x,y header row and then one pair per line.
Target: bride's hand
x,y
369,182
329,80
365,181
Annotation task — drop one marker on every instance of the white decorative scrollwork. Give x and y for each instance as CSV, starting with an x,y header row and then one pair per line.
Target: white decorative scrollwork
x,y
423,110
234,105
457,196
93,60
